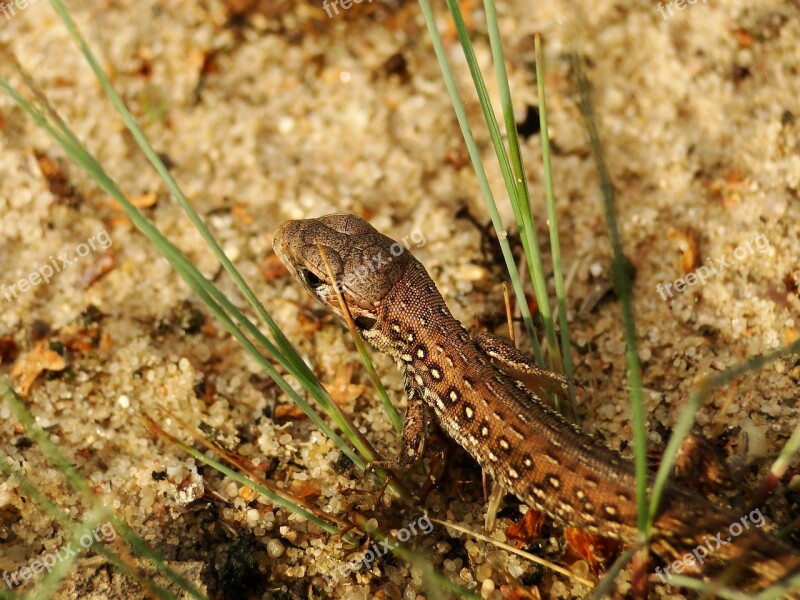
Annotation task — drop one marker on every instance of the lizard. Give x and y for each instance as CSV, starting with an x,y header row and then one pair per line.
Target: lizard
x,y
472,387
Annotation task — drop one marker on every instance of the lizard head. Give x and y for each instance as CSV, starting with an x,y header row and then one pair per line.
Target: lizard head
x,y
365,263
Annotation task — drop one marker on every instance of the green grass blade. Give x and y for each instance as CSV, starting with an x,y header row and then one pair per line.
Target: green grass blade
x,y
520,205
62,519
480,172
562,364
52,580
209,293
788,452
51,452
397,422
779,590
288,356
603,587
394,417
174,188
275,498
552,219
621,271
498,59
685,421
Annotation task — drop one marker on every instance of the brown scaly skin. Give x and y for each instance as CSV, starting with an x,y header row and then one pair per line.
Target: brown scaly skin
x,y
521,442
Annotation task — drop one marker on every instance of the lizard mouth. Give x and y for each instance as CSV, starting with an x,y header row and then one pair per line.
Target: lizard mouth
x,y
365,323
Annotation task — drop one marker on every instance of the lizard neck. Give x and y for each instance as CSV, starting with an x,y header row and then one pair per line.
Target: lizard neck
x,y
409,311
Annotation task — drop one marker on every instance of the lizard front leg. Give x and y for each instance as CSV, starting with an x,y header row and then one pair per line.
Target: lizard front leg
x,y
414,431
520,366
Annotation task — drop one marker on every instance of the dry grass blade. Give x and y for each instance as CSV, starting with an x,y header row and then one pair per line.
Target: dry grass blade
x,y
531,557
621,270
397,422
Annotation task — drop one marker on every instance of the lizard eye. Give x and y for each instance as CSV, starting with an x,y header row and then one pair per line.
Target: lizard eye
x,y
365,323
311,279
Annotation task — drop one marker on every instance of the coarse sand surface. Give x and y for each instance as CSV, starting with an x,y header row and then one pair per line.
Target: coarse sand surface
x,y
267,110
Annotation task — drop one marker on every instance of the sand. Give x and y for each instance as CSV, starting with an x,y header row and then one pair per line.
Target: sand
x,y
273,110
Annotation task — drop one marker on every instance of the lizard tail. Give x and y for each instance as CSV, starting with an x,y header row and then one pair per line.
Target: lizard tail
x,y
716,543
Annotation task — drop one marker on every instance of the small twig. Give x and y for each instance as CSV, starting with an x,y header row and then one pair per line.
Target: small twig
x,y
531,557
509,315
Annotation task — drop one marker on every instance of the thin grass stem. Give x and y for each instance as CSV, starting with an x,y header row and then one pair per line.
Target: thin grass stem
x,y
514,186
552,220
287,356
51,452
686,419
603,587
621,272
480,172
362,350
